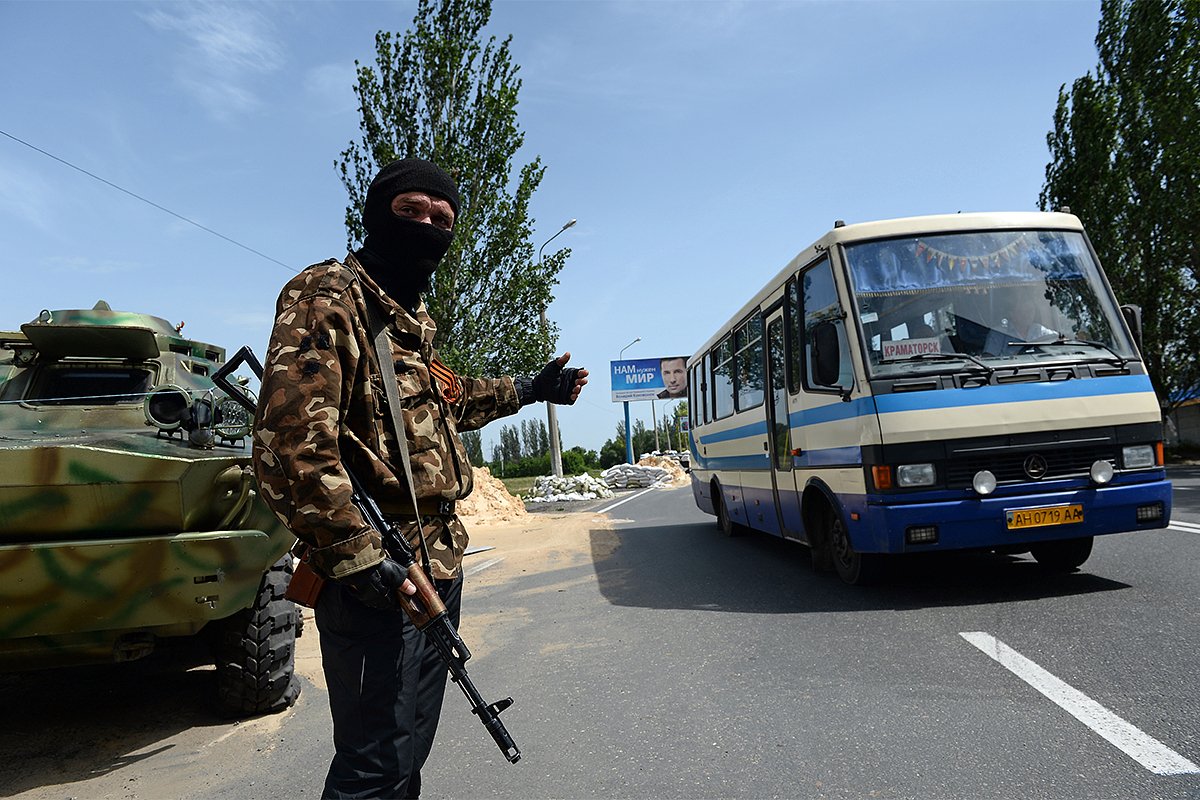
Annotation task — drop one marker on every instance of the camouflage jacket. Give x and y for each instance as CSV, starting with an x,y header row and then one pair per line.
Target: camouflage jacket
x,y
323,405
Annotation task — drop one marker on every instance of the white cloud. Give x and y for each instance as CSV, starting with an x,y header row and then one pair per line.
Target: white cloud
x,y
228,47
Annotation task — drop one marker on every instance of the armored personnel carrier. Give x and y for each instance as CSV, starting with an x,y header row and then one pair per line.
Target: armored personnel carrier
x,y
129,513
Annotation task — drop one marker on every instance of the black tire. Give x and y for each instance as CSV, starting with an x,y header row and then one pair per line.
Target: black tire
x,y
1065,555
854,568
255,650
726,525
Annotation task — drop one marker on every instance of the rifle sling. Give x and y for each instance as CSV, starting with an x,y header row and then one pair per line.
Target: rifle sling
x,y
377,326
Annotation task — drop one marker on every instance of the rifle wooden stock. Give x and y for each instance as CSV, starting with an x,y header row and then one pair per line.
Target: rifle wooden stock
x,y
426,605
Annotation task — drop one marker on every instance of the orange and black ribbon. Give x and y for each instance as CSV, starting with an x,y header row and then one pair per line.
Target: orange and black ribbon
x,y
451,386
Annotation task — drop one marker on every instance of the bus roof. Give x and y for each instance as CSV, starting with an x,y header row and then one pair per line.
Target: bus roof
x,y
887,228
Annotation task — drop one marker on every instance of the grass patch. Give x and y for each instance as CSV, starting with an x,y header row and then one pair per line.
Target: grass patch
x,y
518,486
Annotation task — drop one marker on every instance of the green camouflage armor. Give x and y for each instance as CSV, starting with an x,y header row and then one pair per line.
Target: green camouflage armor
x,y
323,404
128,510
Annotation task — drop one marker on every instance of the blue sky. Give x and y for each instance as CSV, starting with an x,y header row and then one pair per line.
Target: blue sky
x,y
700,145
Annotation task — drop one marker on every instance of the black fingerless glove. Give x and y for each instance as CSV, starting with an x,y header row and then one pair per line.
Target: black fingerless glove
x,y
377,586
524,386
553,384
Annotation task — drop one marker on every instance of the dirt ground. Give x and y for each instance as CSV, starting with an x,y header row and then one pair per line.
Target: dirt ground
x,y
141,730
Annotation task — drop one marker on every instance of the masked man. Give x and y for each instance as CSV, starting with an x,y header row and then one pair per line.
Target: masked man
x,y
323,410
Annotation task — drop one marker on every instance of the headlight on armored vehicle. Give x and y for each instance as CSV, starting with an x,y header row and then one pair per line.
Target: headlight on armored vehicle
x,y
168,407
915,475
1138,457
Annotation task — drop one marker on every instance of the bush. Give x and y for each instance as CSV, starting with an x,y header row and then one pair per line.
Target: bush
x,y
573,463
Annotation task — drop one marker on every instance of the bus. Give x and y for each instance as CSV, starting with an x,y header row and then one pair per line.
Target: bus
x,y
926,384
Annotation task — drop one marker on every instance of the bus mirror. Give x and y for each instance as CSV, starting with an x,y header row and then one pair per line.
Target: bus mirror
x,y
826,354
1133,318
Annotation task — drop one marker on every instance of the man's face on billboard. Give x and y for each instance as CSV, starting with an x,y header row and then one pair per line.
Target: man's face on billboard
x,y
674,375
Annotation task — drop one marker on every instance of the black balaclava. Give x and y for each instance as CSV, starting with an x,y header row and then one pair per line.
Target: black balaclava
x,y
401,254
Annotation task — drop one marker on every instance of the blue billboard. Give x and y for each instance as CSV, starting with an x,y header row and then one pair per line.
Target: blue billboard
x,y
649,379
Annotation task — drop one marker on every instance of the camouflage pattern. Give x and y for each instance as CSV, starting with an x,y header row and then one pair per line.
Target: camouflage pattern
x,y
323,404
111,532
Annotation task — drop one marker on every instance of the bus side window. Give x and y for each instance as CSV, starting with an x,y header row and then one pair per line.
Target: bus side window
x,y
793,314
821,305
749,343
722,382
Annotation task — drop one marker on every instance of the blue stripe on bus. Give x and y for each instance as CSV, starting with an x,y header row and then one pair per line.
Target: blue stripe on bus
x,y
938,399
758,428
826,457
830,457
758,461
1013,393
864,406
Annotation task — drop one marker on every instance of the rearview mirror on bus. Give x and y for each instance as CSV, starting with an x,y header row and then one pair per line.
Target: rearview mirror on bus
x,y
826,354
1133,318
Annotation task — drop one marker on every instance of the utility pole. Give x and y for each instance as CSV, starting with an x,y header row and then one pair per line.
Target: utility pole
x,y
551,412
628,430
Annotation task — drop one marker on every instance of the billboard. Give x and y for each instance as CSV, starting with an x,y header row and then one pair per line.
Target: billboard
x,y
649,379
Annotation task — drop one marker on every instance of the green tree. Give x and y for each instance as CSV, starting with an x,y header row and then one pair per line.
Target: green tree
x,y
473,442
438,91
510,443
573,462
1125,157
673,426
535,440
613,451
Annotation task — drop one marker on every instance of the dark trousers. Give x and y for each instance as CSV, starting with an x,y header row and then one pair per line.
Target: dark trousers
x,y
385,693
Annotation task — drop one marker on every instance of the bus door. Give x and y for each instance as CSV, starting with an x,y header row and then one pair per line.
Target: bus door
x,y
779,439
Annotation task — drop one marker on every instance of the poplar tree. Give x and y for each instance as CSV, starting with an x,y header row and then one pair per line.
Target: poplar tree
x,y
439,91
1125,157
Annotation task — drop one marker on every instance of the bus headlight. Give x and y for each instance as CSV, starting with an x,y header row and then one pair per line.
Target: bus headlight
x,y
1137,457
1101,472
915,475
984,482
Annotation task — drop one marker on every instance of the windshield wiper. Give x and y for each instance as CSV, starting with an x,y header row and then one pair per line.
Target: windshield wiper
x,y
948,357
1117,358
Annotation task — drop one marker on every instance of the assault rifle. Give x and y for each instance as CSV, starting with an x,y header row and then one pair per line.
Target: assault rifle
x,y
425,608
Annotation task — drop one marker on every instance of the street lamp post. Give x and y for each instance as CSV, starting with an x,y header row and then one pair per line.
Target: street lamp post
x,y
628,433
551,412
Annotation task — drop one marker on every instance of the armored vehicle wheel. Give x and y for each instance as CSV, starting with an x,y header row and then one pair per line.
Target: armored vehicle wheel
x,y
255,650
1065,555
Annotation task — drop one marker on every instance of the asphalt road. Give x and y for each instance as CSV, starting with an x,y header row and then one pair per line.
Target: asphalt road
x,y
715,667
673,662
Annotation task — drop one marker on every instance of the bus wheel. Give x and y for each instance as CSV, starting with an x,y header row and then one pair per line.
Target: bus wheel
x,y
727,525
1065,555
856,569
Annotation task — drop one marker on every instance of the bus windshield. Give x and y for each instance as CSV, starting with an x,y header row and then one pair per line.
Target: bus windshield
x,y
990,298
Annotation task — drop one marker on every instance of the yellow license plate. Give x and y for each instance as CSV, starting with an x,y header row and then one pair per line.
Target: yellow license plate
x,y
1043,516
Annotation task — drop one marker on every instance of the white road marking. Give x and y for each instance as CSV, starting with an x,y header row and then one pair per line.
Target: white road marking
x,y
481,567
627,499
1183,527
1142,748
